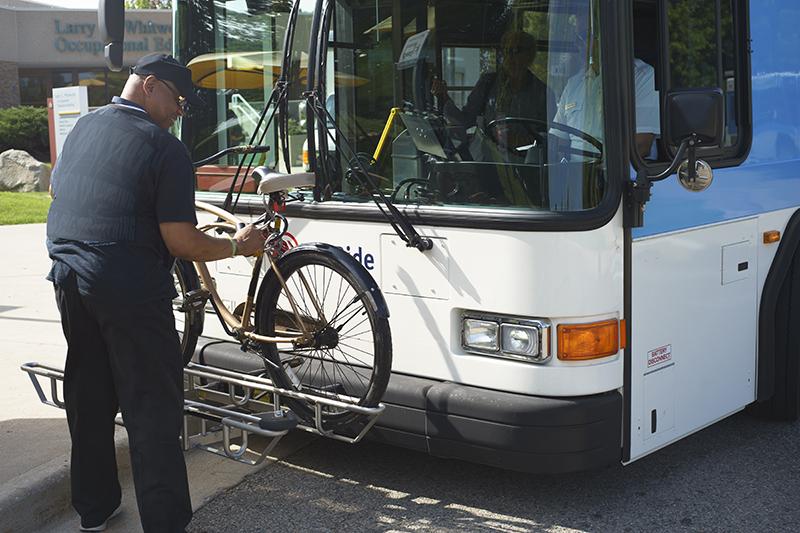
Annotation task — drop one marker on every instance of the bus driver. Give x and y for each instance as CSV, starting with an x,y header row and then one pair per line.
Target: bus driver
x,y
512,91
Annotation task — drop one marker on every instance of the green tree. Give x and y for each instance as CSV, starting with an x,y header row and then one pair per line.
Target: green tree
x,y
693,43
148,4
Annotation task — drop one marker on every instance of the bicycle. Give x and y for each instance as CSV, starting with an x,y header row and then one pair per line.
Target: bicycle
x,y
314,297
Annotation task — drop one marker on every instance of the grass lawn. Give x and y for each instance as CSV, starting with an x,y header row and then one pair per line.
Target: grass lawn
x,y
23,207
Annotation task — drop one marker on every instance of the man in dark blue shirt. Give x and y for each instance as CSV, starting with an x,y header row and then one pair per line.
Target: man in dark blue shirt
x,y
123,207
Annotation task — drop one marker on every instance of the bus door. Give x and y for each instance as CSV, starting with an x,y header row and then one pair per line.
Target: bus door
x,y
693,282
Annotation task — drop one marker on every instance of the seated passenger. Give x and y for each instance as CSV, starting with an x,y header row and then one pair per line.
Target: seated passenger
x,y
579,108
513,91
580,105
648,113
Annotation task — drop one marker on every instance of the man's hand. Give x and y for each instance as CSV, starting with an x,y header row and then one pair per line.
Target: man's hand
x,y
249,240
644,141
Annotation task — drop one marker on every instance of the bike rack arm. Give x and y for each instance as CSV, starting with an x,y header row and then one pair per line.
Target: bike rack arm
x,y
53,374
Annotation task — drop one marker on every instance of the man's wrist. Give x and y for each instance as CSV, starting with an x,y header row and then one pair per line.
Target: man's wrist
x,y
234,247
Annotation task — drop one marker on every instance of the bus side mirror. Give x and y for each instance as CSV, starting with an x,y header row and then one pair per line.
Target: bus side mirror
x,y
111,22
694,120
695,112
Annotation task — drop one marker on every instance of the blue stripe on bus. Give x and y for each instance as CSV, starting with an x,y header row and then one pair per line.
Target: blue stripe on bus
x,y
736,192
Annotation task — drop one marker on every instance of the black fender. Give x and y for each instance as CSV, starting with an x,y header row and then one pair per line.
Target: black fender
x,y
374,294
779,272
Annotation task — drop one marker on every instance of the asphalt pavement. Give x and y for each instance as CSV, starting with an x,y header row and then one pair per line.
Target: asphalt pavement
x,y
740,475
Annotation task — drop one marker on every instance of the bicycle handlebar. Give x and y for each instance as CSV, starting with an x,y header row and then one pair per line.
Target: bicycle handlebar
x,y
243,149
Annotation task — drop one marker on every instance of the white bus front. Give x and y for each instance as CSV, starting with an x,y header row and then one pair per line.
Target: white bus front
x,y
510,147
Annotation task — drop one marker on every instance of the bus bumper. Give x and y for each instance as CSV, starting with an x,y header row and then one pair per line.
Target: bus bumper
x,y
512,431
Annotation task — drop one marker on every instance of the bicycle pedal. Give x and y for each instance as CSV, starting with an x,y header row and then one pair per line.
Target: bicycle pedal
x,y
194,300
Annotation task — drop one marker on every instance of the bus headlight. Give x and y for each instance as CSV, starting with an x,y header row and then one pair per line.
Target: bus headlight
x,y
518,338
480,335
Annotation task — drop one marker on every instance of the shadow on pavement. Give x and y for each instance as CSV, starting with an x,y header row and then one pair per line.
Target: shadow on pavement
x,y
739,475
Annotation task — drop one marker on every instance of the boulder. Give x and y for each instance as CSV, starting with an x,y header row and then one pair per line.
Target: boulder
x,y
20,172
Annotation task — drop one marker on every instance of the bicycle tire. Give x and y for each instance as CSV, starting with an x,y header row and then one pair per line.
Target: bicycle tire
x,y
188,320
359,368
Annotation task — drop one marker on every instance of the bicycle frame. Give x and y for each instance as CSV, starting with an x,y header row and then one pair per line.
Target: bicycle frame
x,y
241,326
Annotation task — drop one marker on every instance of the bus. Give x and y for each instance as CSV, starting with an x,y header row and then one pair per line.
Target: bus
x,y
609,189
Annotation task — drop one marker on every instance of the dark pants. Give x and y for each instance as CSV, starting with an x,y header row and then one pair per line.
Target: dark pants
x,y
127,357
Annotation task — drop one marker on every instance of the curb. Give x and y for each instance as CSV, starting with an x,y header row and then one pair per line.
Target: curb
x,y
33,500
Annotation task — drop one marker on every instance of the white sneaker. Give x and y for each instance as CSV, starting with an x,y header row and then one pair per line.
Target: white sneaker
x,y
104,525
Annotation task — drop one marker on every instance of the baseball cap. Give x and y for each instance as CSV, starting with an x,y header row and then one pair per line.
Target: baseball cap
x,y
167,68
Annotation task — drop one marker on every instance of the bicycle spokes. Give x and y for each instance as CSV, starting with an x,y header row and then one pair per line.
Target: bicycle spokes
x,y
337,355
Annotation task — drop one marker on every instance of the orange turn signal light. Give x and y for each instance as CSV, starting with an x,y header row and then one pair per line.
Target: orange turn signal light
x,y
581,342
772,236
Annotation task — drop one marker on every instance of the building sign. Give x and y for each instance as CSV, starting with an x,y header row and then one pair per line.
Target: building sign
x,y
143,36
69,104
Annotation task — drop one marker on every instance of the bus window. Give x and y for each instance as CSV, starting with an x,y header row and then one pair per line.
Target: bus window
x,y
707,62
679,44
647,81
497,104
234,52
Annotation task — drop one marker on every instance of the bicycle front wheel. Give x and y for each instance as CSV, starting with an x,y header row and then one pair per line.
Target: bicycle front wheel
x,y
347,354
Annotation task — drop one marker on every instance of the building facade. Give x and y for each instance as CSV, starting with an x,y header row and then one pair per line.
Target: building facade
x,y
42,48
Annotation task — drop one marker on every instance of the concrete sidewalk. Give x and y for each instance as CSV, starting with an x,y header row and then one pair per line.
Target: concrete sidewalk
x,y
30,330
34,438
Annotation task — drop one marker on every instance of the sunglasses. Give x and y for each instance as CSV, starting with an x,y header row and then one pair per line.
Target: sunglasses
x,y
180,101
518,49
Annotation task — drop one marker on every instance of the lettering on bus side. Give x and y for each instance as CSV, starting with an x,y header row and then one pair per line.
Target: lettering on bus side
x,y
365,258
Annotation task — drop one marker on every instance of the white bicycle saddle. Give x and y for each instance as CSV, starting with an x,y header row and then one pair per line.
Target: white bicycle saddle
x,y
272,181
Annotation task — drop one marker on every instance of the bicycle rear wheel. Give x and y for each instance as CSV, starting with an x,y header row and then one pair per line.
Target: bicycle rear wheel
x,y
342,308
188,318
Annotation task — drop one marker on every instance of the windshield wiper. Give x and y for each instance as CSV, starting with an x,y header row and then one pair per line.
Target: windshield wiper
x,y
398,220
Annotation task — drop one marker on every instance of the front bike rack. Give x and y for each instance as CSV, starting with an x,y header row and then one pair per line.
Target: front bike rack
x,y
221,406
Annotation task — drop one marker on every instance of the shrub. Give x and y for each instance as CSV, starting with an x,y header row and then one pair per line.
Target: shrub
x,y
25,128
295,128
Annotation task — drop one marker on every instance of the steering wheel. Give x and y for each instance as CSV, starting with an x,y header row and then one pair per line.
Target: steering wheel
x,y
535,127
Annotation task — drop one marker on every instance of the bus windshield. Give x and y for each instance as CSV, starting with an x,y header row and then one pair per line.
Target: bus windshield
x,y
478,103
